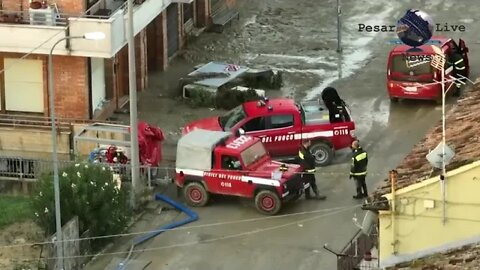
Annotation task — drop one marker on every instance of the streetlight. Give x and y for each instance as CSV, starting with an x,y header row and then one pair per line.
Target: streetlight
x,y
51,94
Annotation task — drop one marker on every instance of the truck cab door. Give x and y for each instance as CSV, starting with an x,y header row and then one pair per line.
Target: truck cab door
x,y
229,177
463,46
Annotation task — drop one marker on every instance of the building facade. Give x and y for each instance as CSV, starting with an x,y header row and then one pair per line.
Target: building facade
x,y
91,77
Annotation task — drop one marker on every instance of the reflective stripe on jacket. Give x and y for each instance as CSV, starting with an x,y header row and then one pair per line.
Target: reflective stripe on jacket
x,y
306,160
359,162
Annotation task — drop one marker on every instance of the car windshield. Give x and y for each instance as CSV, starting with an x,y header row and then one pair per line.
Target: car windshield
x,y
253,153
231,118
418,67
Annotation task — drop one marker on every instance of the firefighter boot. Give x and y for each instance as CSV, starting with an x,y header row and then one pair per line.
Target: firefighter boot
x,y
318,196
359,194
308,196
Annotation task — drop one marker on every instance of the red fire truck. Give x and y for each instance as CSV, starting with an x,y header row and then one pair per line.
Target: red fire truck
x,y
411,76
216,162
282,124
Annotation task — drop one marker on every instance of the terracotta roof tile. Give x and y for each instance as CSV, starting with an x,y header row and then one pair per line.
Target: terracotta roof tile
x,y
464,258
462,135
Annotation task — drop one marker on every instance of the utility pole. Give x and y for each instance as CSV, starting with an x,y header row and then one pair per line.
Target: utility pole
x,y
339,26
132,79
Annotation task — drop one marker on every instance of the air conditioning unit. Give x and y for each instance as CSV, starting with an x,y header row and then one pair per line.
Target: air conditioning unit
x,y
44,16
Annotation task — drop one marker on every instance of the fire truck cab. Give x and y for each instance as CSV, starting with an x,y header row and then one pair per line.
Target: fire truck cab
x,y
216,162
410,74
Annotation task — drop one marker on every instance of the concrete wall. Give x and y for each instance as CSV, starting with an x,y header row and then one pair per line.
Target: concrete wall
x,y
32,140
418,230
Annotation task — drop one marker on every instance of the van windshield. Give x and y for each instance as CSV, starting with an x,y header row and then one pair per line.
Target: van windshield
x,y
253,153
231,118
407,70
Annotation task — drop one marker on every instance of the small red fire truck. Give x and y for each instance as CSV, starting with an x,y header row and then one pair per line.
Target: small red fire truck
x,y
216,162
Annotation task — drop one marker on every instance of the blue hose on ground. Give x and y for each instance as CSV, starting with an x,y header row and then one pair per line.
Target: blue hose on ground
x,y
192,216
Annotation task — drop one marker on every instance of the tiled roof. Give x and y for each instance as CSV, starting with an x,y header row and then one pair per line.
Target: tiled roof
x,y
462,135
465,258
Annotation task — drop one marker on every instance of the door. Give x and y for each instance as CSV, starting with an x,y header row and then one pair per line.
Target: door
x,y
276,131
24,85
229,180
464,48
172,29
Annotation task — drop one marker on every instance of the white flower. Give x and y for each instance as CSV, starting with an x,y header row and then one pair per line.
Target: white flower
x,y
93,183
36,214
40,194
103,168
103,188
86,166
73,185
64,174
77,165
46,210
106,184
79,175
111,169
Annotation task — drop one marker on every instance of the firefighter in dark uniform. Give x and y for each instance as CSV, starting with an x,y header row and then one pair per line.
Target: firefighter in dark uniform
x,y
358,170
456,60
308,163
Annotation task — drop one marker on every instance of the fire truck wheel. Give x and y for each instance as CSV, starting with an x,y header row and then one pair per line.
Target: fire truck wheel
x,y
322,152
267,202
195,194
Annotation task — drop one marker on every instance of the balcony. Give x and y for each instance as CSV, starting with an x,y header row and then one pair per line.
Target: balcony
x,y
27,34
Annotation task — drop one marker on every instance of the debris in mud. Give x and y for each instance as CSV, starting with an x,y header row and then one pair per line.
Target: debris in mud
x,y
225,86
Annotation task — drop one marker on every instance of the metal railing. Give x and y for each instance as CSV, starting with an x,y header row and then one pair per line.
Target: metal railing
x,y
355,251
15,120
29,170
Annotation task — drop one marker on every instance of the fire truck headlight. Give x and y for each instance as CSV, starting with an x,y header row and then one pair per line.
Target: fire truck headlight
x,y
352,132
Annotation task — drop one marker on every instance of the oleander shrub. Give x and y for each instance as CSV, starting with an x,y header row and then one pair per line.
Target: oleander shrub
x,y
87,191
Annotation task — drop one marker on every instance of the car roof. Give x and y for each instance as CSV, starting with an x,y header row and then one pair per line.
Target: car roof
x,y
239,147
277,104
427,48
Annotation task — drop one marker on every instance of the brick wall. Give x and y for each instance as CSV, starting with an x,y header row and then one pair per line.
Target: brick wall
x,y
71,84
203,12
141,60
161,36
71,7
71,87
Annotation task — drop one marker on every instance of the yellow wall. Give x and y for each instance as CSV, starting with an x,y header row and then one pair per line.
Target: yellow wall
x,y
420,230
32,140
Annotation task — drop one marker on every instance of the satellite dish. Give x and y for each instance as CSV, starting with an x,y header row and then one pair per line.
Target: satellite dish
x,y
435,156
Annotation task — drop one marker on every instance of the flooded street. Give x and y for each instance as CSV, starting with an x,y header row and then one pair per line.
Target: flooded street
x,y
299,38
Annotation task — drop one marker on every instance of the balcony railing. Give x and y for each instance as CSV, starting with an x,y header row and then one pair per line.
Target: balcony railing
x,y
38,30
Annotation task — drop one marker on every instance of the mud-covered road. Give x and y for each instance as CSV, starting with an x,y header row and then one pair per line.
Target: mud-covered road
x,y
299,37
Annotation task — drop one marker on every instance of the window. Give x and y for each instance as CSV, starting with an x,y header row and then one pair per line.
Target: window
x,y
254,124
281,121
231,163
232,118
399,64
253,153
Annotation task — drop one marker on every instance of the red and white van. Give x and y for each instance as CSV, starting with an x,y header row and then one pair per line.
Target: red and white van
x,y
410,74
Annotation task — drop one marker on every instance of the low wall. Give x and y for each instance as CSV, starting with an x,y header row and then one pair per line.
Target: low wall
x,y
33,140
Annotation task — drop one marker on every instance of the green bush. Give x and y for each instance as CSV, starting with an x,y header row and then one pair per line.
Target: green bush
x,y
201,98
228,99
87,191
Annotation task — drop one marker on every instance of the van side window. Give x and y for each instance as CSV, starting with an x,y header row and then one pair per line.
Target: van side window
x,y
255,124
231,163
281,121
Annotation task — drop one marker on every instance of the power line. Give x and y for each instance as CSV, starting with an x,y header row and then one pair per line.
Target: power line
x,y
17,60
201,242
189,227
